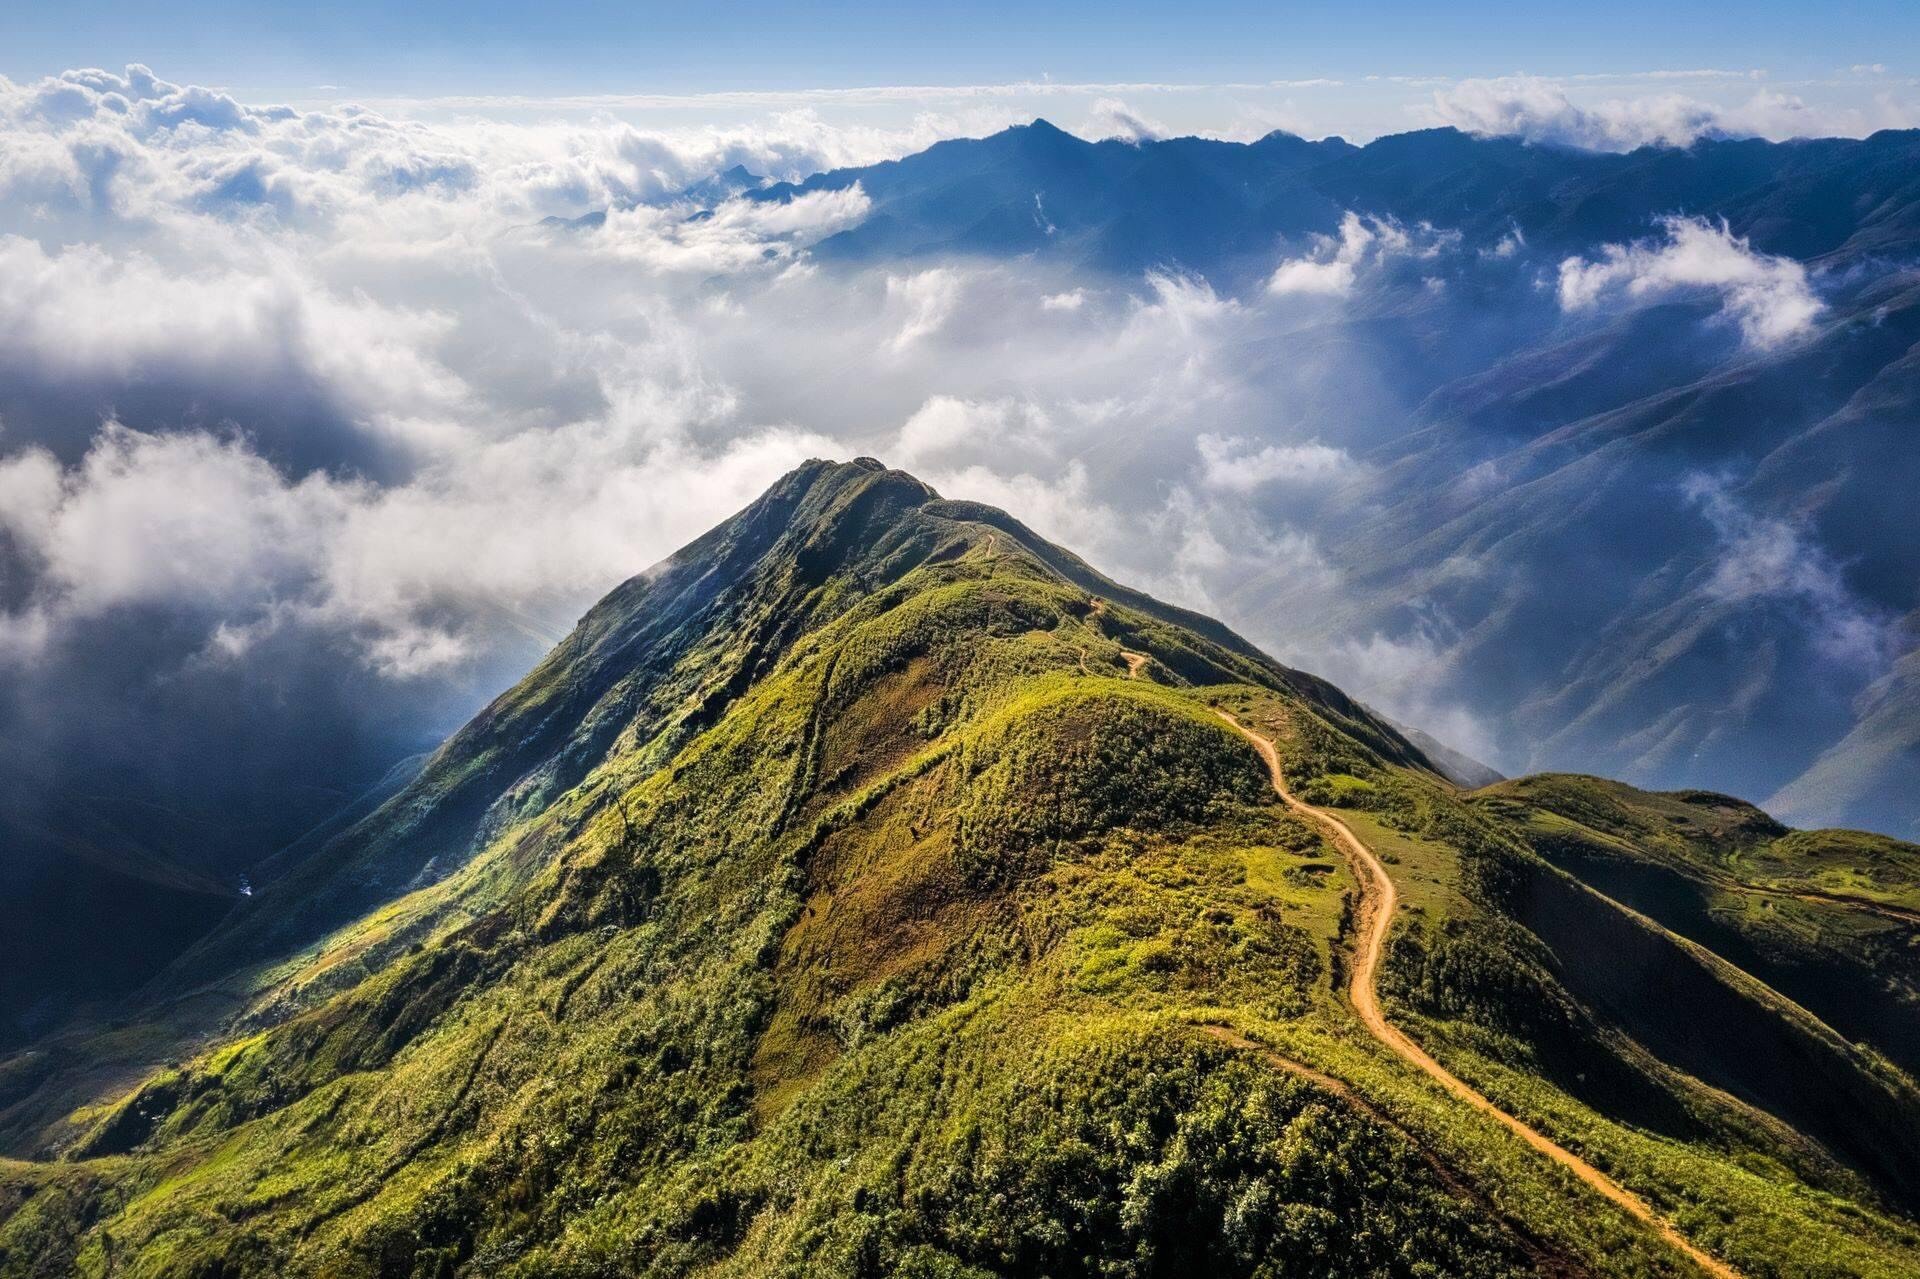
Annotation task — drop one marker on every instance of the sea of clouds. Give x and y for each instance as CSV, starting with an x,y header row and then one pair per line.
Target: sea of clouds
x,y
309,413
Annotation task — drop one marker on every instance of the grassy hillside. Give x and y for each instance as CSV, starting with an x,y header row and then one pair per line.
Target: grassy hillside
x,y
872,889
1831,918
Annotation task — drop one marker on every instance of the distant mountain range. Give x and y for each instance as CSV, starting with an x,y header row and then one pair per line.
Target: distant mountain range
x,y
1596,473
874,888
1220,207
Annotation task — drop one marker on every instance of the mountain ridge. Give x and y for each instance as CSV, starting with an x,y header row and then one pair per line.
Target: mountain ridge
x,y
1501,431
872,887
1485,412
1561,197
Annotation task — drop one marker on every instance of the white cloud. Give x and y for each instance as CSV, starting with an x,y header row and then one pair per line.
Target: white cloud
x,y
1241,466
1540,110
1184,303
738,235
1113,118
94,148
1764,558
1182,547
186,521
1768,297
1062,507
1332,266
1508,245
396,413
30,484
1329,274
924,301
947,428
81,314
556,408
1211,547
205,524
1400,675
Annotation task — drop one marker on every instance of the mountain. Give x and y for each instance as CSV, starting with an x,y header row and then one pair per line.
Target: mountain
x,y
103,889
872,888
724,185
1457,767
1699,579
1734,514
1113,205
74,857
1218,208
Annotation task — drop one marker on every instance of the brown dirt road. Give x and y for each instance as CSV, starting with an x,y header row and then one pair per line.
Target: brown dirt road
x,y
1136,662
1379,899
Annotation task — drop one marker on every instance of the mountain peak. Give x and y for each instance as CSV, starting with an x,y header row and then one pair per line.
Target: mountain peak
x,y
824,536
874,870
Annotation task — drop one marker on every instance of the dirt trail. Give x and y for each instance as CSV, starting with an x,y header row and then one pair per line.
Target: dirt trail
x,y
1379,899
1136,662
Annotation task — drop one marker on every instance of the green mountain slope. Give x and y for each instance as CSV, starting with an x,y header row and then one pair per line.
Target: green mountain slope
x,y
874,889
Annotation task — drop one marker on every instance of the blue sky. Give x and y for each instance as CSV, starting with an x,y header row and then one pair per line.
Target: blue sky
x,y
434,49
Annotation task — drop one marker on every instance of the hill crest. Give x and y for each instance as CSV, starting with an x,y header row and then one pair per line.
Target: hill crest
x,y
874,888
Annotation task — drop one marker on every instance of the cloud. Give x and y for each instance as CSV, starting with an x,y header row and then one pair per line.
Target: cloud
x,y
1765,559
1013,432
1770,298
737,235
1061,507
81,317
1186,303
206,525
1539,110
320,380
924,302
1211,545
1332,266
1406,675
1508,245
1329,270
302,409
308,408
1183,547
1113,118
94,149
1242,466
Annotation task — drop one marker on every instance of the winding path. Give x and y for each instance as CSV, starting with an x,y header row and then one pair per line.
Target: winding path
x,y
1136,662
1379,899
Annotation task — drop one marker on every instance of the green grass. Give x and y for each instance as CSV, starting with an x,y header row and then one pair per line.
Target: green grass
x,y
875,936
